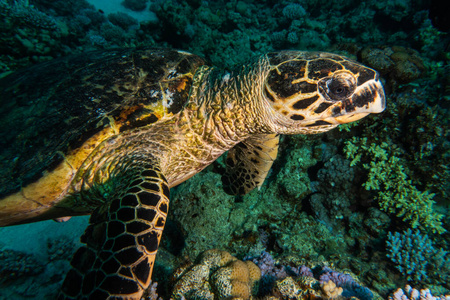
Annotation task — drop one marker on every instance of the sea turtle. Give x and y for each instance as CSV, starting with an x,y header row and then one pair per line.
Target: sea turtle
x,y
108,133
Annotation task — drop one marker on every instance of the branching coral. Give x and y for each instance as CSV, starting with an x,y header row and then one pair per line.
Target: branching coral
x,y
396,193
410,293
416,257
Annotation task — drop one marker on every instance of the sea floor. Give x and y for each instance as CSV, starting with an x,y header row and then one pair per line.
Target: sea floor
x,y
41,250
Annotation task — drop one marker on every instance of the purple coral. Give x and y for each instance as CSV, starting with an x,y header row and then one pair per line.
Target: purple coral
x,y
339,279
345,281
270,272
266,263
305,271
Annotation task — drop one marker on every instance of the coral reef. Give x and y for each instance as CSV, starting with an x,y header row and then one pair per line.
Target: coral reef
x,y
21,13
217,275
302,282
335,192
331,290
410,293
289,288
416,258
400,64
15,264
192,205
294,11
60,249
350,288
27,31
196,200
35,276
396,194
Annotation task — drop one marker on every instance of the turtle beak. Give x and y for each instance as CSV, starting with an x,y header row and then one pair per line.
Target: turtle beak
x,y
379,98
367,99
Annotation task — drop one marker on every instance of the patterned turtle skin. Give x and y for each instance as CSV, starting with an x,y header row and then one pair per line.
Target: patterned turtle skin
x,y
108,133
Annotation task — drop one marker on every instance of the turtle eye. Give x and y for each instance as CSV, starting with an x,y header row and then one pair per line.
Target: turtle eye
x,y
338,86
337,89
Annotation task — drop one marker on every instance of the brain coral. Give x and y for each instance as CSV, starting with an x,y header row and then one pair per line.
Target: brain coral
x,y
218,275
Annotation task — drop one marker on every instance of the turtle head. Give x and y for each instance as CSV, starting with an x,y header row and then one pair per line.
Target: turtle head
x,y
312,92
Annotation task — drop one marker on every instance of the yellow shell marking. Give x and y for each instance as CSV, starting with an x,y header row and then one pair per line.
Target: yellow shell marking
x,y
40,196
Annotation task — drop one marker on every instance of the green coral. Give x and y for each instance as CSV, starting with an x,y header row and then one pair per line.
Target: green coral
x,y
396,193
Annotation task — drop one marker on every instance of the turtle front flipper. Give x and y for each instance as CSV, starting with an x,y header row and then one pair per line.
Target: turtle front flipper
x,y
121,241
249,162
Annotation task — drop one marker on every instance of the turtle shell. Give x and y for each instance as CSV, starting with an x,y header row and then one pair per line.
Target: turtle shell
x,y
53,108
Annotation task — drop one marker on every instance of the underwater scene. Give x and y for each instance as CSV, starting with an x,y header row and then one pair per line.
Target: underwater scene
x,y
360,211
